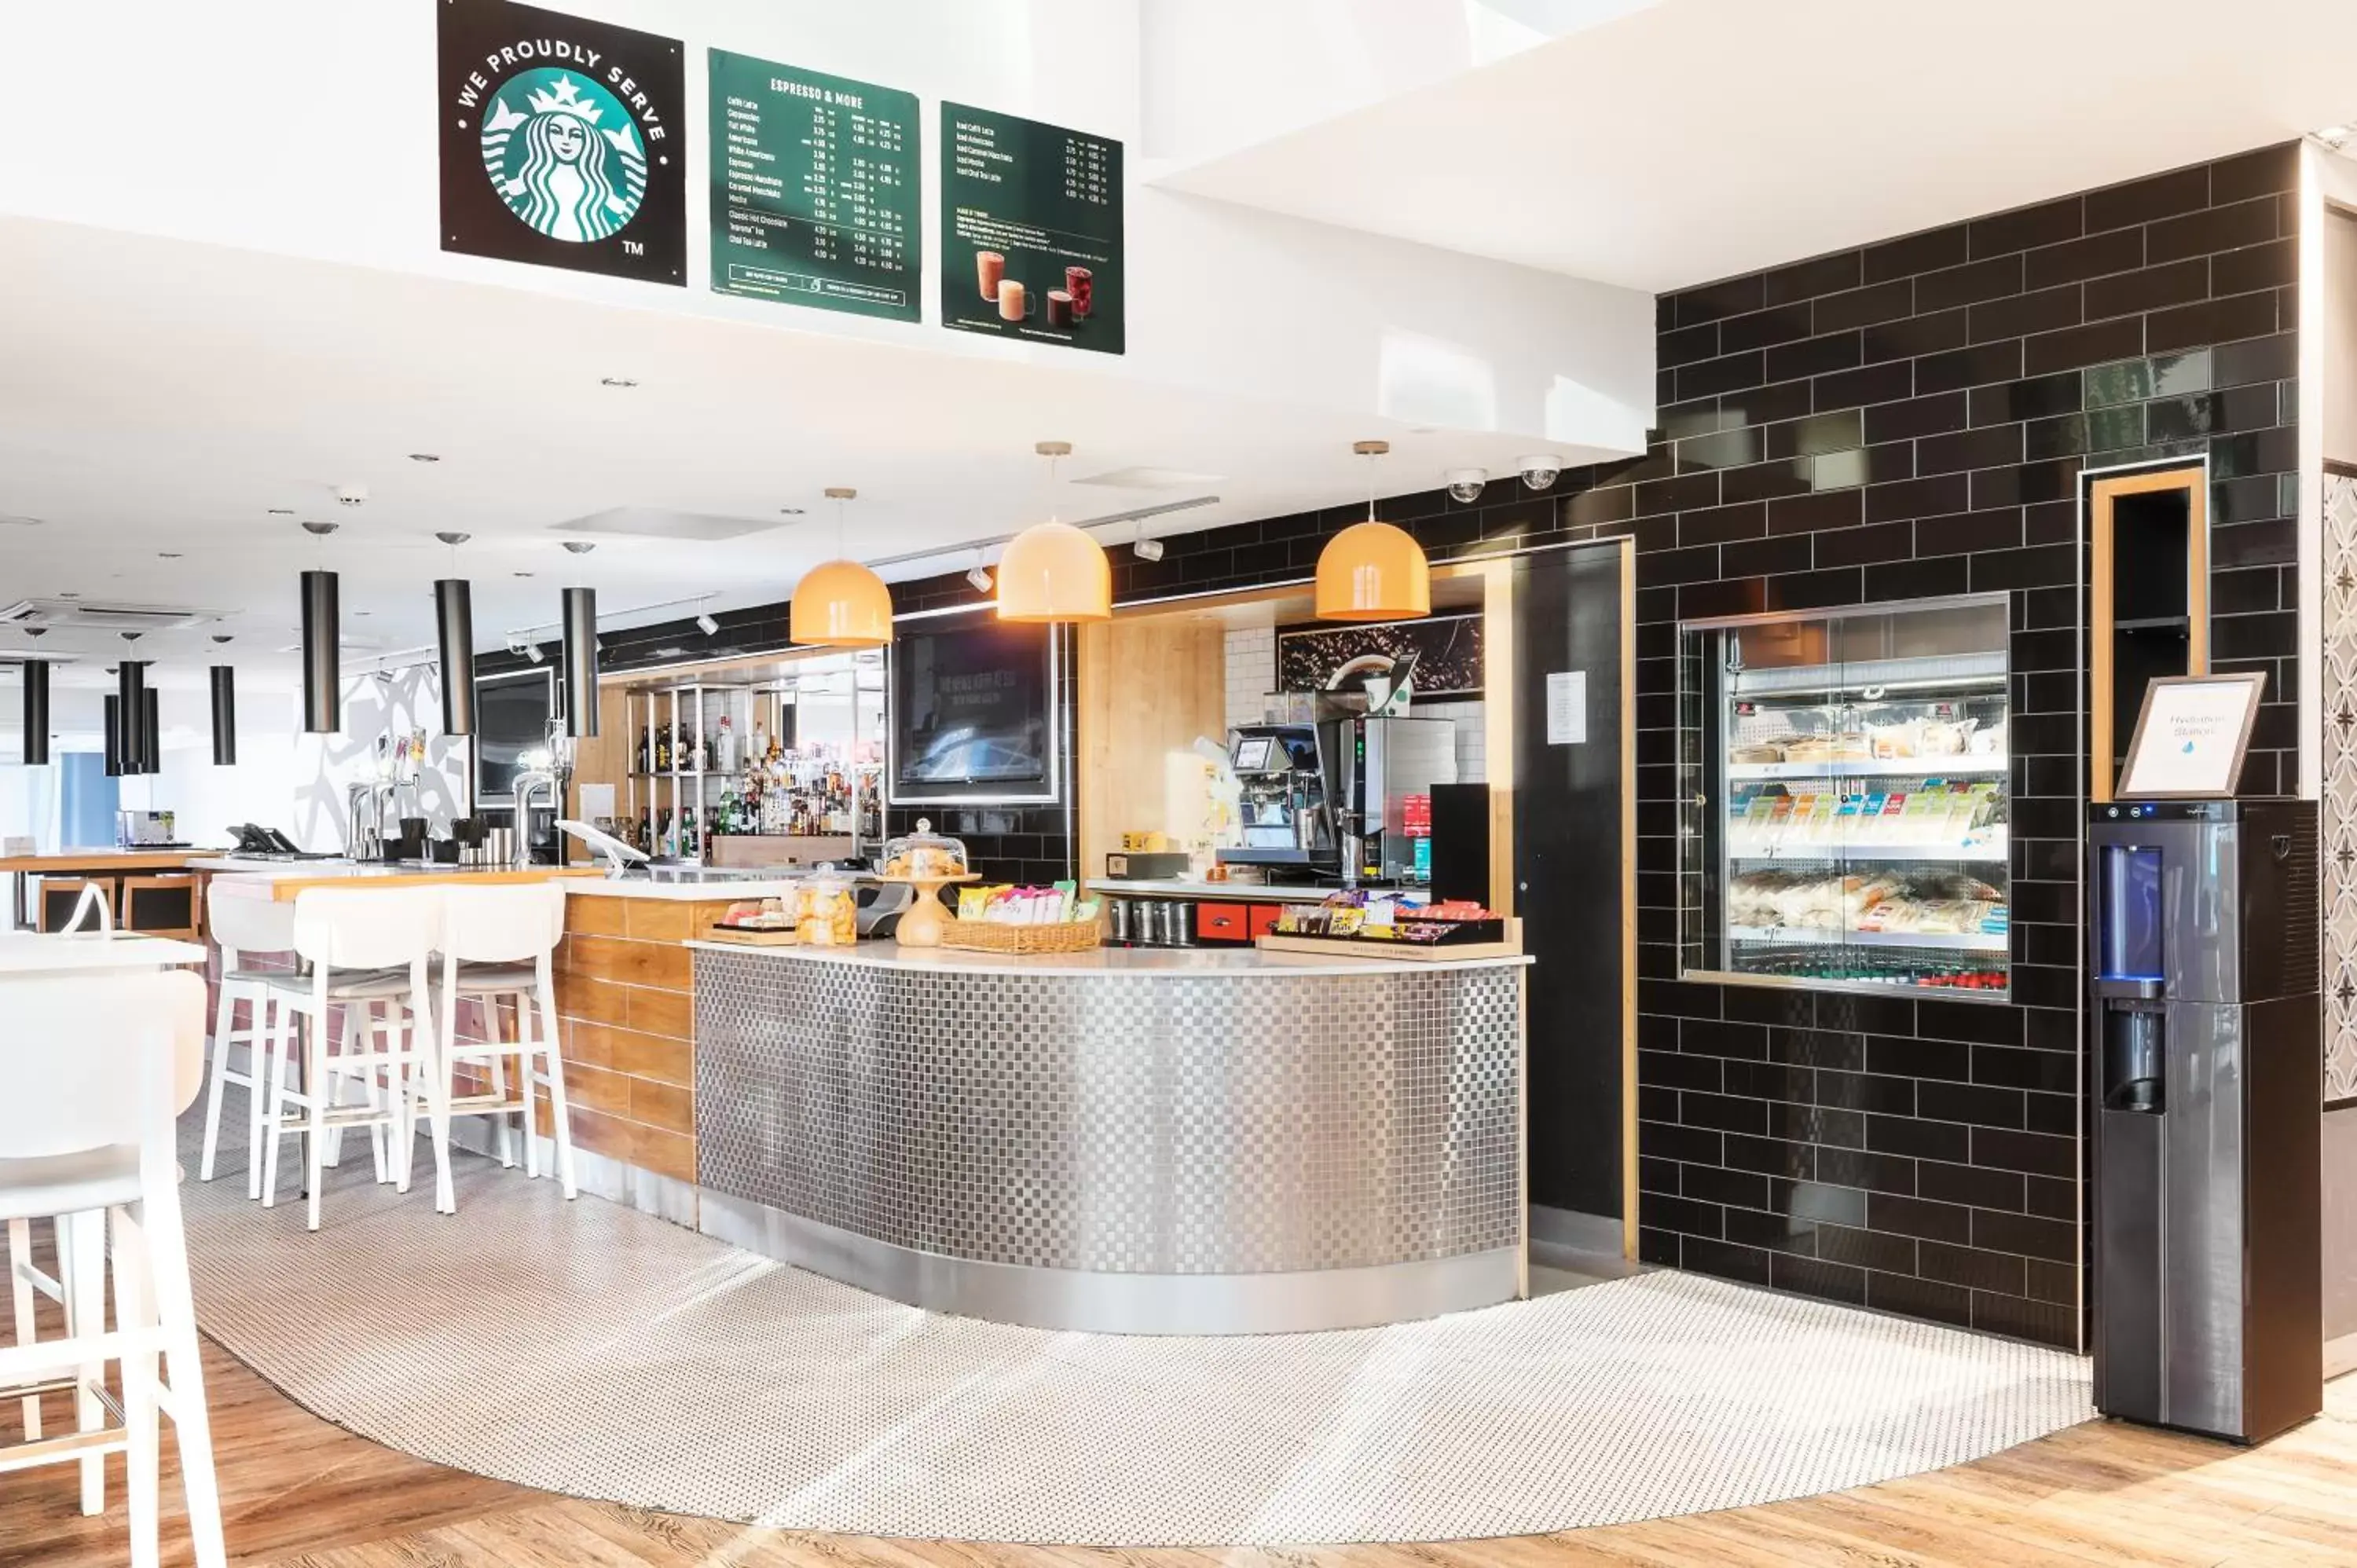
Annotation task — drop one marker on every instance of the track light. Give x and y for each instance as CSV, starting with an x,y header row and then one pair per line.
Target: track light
x,y
1148,549
531,651
979,575
707,625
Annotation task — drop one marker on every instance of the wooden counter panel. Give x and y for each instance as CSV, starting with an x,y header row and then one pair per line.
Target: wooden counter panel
x,y
668,1013
625,988
662,964
589,915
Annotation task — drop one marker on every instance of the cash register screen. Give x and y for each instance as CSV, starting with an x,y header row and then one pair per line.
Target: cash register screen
x,y
1251,753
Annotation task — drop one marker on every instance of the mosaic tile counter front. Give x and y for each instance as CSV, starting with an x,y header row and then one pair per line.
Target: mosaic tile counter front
x,y
1133,1124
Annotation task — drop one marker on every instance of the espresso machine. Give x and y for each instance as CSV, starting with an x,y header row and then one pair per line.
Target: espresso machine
x,y
2208,1046
1284,780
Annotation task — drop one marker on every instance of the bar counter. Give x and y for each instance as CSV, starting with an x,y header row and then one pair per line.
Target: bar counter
x,y
1122,1141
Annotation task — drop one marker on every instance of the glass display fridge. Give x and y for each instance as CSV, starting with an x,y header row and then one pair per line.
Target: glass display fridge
x,y
1843,780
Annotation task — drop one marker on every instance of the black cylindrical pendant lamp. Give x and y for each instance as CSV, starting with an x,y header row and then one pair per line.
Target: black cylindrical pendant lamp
x,y
131,716
36,715
224,716
581,663
113,736
151,736
323,671
454,617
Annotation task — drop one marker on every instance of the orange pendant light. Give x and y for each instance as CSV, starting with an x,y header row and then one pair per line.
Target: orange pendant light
x,y
1051,572
840,602
1373,571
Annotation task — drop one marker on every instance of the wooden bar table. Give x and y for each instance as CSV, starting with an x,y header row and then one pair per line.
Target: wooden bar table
x,y
90,862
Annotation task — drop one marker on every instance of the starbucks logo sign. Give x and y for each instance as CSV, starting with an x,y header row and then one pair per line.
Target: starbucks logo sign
x,y
564,155
557,148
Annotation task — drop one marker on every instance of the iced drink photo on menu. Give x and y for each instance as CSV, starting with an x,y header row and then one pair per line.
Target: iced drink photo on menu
x,y
1010,299
989,266
1081,283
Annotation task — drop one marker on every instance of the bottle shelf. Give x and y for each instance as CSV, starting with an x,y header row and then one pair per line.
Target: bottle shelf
x,y
1983,851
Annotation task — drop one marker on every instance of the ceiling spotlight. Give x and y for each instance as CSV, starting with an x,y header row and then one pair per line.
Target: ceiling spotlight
x,y
521,574
168,556
224,637
707,625
1540,472
1148,549
129,635
321,529
619,381
580,546
979,575
281,511
1465,484
790,511
37,631
425,456
454,540
531,651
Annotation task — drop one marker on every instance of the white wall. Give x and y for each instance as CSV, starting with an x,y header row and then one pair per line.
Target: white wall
x,y
376,707
321,142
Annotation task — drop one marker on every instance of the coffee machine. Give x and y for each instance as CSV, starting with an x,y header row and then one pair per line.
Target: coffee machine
x,y
1388,768
2207,1034
1285,781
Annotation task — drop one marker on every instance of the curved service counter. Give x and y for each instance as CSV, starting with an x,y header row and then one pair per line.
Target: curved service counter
x,y
1119,1141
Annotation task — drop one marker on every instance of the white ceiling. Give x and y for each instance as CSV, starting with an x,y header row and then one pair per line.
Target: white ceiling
x,y
157,395
1699,139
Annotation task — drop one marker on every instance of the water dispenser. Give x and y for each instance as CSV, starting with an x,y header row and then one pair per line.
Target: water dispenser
x,y
2207,1026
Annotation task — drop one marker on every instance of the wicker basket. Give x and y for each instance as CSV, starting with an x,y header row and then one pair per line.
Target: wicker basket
x,y
995,936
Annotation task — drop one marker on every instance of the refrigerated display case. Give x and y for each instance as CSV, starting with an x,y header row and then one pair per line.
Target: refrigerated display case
x,y
1844,781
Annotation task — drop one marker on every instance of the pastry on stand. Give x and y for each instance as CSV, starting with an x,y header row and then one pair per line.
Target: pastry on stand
x,y
928,863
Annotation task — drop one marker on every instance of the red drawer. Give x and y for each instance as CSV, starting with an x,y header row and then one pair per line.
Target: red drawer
x,y
1264,917
1222,923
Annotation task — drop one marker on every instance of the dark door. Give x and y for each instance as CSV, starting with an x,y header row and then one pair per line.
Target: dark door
x,y
1568,849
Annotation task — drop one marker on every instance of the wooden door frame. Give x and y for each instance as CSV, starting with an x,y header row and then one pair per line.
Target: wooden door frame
x,y
2104,490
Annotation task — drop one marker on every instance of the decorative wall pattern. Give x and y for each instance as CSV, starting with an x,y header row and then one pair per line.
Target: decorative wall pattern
x,y
2338,807
386,703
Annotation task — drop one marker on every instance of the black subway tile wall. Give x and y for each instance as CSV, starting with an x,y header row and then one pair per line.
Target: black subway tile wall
x,y
1906,420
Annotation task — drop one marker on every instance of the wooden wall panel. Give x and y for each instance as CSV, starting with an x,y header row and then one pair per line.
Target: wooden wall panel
x,y
1147,685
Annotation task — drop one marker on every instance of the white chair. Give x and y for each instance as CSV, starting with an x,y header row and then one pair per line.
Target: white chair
x,y
245,927
499,944
350,935
92,1072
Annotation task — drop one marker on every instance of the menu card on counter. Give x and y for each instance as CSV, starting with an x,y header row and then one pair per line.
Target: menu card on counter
x,y
815,188
1032,229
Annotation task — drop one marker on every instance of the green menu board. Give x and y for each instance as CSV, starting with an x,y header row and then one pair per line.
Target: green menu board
x,y
816,190
1031,230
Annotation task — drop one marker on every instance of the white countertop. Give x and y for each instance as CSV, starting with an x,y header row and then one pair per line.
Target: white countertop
x,y
1223,892
81,952
1197,963
265,871
683,892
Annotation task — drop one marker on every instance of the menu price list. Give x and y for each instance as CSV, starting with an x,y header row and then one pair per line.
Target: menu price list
x,y
1031,224
815,188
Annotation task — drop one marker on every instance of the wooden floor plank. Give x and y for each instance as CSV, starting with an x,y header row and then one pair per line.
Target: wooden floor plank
x,y
300,1493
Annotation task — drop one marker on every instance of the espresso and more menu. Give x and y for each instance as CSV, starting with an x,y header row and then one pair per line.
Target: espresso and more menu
x,y
816,195
1032,229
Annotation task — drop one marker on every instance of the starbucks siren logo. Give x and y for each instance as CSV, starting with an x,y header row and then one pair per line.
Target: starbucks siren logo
x,y
563,154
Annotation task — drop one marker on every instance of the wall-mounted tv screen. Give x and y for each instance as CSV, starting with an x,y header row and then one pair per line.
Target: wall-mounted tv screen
x,y
511,715
975,715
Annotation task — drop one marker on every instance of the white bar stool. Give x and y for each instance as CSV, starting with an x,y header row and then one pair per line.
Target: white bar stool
x,y
92,1072
499,944
245,927
350,935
